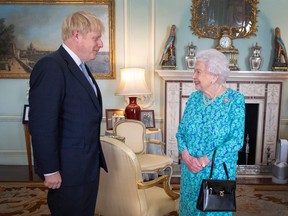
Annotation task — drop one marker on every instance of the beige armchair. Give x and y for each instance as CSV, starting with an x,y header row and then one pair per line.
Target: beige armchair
x,y
122,191
135,132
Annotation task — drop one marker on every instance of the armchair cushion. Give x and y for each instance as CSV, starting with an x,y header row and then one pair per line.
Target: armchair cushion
x,y
152,162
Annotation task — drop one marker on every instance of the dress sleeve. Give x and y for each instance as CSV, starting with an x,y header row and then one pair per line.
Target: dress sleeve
x,y
180,137
181,133
234,142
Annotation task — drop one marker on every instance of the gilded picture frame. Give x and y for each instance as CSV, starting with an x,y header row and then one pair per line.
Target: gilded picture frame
x,y
33,29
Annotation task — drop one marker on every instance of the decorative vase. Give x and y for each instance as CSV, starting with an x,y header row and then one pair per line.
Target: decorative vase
x,y
190,57
133,110
255,59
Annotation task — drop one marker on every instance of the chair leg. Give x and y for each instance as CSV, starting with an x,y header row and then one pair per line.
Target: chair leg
x,y
170,175
28,150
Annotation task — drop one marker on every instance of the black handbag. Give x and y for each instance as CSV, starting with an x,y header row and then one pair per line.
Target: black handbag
x,y
217,195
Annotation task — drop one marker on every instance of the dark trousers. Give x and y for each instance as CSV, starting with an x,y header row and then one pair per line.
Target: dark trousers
x,y
76,200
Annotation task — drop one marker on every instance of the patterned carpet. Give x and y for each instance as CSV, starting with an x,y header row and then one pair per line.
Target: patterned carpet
x,y
264,200
29,199
23,199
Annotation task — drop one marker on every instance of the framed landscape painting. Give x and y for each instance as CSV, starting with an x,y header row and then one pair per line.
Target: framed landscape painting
x,y
31,29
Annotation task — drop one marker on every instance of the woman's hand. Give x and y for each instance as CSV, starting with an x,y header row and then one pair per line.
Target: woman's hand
x,y
192,163
204,161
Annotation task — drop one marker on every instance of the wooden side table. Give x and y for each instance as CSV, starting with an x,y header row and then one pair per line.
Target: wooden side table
x,y
28,149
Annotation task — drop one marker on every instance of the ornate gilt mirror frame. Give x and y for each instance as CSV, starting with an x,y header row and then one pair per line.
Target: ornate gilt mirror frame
x,y
209,17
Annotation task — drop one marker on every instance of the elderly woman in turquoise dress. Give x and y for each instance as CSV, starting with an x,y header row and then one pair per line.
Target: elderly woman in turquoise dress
x,y
214,118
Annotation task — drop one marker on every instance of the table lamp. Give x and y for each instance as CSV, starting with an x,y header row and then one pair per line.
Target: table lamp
x,y
132,84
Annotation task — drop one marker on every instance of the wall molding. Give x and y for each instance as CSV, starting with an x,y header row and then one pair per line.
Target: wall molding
x,y
283,121
13,157
149,99
11,118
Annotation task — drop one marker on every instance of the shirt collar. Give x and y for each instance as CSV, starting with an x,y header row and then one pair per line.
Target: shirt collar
x,y
72,54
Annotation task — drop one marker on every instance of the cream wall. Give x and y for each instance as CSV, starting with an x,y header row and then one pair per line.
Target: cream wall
x,y
141,28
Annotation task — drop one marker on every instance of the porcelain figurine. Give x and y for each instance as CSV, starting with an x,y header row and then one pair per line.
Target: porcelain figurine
x,y
168,59
280,54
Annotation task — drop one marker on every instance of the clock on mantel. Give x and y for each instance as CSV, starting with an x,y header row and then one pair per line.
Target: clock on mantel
x,y
225,46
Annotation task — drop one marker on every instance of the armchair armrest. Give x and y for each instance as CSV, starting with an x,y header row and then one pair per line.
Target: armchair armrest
x,y
157,142
155,182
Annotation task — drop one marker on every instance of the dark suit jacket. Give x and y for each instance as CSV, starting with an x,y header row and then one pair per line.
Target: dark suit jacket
x,y
64,120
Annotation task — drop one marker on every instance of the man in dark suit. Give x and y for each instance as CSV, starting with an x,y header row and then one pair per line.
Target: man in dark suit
x,y
65,116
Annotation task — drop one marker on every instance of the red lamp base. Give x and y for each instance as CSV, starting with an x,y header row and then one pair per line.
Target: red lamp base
x,y
133,110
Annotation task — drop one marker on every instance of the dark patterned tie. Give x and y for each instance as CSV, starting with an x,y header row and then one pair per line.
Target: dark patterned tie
x,y
82,65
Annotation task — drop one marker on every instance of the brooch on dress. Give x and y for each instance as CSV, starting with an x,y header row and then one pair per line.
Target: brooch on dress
x,y
226,100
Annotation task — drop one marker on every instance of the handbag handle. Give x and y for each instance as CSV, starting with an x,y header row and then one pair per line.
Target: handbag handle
x,y
212,167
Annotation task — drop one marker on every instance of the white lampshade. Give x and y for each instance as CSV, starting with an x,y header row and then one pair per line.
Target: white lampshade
x,y
132,82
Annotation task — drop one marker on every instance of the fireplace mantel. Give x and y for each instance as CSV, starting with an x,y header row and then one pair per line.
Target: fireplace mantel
x,y
259,87
234,75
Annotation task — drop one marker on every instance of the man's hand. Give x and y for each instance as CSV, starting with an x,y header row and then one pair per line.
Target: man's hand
x,y
53,181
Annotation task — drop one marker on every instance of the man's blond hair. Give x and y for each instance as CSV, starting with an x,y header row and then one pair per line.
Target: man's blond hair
x,y
81,21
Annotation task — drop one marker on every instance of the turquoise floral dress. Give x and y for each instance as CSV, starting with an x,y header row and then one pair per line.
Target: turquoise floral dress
x,y
202,129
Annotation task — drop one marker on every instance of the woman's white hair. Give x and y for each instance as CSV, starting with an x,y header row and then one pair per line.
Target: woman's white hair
x,y
216,63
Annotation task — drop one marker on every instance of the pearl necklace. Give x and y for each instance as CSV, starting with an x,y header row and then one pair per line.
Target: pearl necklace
x,y
211,101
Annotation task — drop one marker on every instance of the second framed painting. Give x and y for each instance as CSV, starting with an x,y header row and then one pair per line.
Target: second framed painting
x,y
112,116
148,118
32,29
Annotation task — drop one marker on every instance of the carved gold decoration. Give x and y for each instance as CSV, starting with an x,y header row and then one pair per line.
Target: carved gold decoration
x,y
165,183
204,25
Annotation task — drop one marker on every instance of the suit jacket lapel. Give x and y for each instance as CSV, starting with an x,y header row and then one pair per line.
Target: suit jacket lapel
x,y
78,74
99,96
